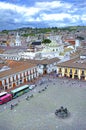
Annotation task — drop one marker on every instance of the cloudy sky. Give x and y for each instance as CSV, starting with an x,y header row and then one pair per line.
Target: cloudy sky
x,y
41,13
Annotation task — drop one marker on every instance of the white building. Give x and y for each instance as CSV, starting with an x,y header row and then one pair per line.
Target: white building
x,y
77,43
10,56
52,50
16,41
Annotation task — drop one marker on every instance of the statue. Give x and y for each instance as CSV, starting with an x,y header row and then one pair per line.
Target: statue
x,y
62,112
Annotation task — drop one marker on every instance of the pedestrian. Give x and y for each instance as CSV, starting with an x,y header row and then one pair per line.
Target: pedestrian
x,y
11,106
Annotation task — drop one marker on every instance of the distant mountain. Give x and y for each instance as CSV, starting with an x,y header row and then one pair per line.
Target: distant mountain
x,y
47,29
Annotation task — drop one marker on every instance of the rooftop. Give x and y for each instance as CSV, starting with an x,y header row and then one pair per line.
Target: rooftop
x,y
74,63
15,67
44,61
18,66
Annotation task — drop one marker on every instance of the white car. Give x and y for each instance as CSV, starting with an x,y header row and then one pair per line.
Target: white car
x,y
32,86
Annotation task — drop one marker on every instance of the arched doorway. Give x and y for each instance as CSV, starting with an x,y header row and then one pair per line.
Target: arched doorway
x,y
45,72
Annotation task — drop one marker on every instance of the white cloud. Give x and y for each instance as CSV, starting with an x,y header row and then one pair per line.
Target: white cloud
x,y
55,17
19,9
39,6
83,18
57,24
51,13
16,20
72,10
53,4
75,18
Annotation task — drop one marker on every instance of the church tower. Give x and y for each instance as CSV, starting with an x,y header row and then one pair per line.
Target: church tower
x,y
17,40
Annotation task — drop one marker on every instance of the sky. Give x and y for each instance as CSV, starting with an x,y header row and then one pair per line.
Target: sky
x,y
41,13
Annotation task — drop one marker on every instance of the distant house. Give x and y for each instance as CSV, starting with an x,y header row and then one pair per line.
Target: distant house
x,y
3,43
71,41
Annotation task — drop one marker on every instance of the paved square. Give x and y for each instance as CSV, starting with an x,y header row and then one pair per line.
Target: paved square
x,y
39,112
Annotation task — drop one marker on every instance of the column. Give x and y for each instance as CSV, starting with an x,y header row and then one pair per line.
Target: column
x,y
22,77
7,83
14,82
68,72
11,81
18,79
63,72
79,74
73,71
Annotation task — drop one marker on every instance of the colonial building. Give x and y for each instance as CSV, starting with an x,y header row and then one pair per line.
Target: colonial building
x,y
74,68
18,73
46,66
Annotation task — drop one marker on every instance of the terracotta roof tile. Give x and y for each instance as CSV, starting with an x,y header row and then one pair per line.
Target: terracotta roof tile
x,y
16,67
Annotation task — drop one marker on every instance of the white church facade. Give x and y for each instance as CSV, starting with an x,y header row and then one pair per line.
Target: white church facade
x,y
16,41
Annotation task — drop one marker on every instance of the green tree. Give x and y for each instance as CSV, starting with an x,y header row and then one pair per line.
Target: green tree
x,y
45,41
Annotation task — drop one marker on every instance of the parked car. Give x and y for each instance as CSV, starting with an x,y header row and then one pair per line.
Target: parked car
x,y
32,86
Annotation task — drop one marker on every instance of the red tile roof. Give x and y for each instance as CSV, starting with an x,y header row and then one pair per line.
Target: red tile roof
x,y
15,67
18,66
72,41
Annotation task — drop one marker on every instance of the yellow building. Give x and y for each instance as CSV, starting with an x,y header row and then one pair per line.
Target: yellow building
x,y
74,68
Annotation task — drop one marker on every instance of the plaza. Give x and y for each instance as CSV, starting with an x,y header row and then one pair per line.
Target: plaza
x,y
38,113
